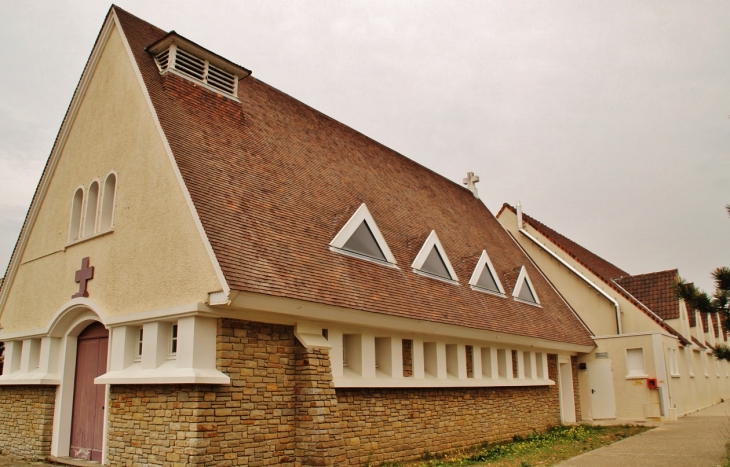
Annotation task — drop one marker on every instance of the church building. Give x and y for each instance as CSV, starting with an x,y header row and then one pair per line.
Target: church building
x,y
213,273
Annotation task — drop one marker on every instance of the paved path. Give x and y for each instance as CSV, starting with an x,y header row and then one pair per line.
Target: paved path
x,y
697,440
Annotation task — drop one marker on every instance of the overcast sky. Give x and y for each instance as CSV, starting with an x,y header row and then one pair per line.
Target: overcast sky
x,y
608,120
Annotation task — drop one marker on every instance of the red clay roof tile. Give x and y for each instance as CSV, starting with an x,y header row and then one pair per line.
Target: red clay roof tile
x,y
655,290
604,270
273,181
592,261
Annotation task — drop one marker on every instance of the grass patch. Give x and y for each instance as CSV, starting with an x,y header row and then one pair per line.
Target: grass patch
x,y
539,449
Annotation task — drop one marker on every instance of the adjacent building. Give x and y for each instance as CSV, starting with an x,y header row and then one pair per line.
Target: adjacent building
x,y
653,357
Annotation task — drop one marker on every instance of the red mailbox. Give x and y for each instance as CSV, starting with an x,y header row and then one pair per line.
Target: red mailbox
x,y
651,383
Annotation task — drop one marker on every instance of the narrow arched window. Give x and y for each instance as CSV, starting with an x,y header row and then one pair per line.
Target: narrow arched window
x,y
76,205
92,207
107,208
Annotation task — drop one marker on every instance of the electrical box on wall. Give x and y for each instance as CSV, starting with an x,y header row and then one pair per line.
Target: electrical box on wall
x,y
651,383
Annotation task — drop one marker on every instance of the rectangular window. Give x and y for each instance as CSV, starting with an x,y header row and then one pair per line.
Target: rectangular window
x,y
138,354
635,367
173,340
673,363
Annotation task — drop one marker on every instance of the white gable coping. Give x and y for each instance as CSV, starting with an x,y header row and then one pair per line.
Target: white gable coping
x,y
522,278
431,241
203,236
483,262
362,214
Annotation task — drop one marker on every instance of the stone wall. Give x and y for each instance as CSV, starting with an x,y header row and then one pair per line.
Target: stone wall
x,y
282,409
251,422
26,421
403,424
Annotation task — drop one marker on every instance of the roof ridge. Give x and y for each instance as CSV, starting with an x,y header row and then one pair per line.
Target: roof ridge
x,y
608,281
551,233
675,270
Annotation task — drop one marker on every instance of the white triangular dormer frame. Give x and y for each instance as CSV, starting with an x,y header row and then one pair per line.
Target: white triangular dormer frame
x,y
431,241
521,278
483,262
362,214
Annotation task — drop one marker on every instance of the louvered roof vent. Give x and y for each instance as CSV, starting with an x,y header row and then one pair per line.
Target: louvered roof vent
x,y
176,54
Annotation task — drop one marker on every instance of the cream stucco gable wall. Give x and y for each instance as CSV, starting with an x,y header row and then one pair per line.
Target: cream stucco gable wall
x,y
155,256
597,311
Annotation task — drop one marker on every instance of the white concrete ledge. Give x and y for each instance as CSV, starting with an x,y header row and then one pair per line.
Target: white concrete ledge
x,y
165,374
30,379
433,382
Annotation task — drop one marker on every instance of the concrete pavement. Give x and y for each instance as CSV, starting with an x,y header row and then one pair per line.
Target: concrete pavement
x,y
696,440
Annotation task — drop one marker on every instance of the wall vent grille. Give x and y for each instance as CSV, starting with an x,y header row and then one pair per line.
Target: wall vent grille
x,y
197,68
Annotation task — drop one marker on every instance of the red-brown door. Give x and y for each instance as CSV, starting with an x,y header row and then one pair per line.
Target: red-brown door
x,y
87,422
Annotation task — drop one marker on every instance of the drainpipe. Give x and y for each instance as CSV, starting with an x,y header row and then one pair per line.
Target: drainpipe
x,y
571,268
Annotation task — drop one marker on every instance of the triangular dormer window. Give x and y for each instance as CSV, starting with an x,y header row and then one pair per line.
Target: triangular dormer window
x,y
432,260
362,241
361,237
484,277
178,55
524,290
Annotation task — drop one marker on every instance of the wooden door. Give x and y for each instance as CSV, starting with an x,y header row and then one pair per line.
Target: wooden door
x,y
87,422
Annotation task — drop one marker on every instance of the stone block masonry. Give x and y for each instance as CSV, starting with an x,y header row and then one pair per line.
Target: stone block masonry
x,y
251,422
282,409
26,421
381,425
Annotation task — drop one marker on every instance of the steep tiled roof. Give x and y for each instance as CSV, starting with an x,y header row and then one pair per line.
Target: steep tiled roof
x,y
273,181
655,290
705,322
691,315
717,324
590,260
597,265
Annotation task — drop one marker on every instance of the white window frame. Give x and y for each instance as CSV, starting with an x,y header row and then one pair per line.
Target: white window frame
x,y
635,373
524,277
106,218
77,216
139,347
174,342
485,262
673,363
362,215
432,241
91,210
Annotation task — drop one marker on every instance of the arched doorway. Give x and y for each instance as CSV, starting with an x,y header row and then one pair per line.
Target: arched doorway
x,y
89,399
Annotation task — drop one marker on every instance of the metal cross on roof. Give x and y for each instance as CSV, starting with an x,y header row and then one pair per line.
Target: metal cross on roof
x,y
83,275
470,181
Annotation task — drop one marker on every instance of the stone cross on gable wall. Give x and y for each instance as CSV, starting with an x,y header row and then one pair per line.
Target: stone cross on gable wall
x,y
470,181
83,275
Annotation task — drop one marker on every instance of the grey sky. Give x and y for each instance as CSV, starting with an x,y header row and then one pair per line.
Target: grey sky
x,y
608,120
